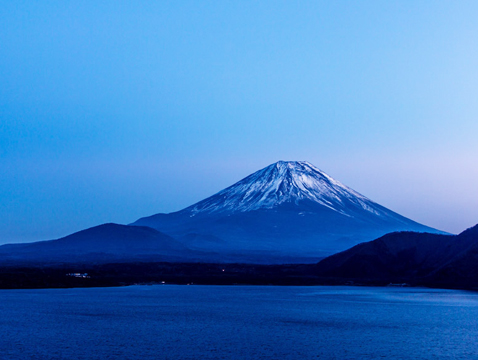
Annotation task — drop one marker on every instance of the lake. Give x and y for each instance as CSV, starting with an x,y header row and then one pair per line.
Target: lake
x,y
238,322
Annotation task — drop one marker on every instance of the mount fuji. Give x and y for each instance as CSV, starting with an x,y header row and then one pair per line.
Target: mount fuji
x,y
290,211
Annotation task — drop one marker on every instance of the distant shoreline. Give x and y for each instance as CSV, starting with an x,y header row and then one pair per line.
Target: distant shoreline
x,y
42,276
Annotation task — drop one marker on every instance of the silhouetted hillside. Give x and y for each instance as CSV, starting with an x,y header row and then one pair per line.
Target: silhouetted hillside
x,y
107,242
415,258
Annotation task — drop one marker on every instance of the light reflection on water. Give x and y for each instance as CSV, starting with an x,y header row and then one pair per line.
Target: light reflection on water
x,y
400,294
238,322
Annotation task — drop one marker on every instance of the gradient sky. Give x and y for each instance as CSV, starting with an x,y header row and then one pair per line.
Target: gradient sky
x,y
114,110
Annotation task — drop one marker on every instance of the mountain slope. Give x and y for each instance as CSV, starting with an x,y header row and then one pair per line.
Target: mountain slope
x,y
462,269
290,210
417,258
99,243
286,182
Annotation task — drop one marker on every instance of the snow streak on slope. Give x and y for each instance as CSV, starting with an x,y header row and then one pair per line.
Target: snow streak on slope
x,y
287,182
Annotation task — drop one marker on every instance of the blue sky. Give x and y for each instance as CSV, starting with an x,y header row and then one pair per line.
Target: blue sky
x,y
114,110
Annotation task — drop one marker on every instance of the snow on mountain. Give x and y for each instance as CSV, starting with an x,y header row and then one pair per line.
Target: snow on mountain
x,y
288,212
286,182
288,209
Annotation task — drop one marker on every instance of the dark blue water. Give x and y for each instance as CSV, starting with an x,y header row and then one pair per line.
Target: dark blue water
x,y
238,322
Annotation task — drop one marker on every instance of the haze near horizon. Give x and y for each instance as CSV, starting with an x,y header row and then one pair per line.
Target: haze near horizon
x,y
113,111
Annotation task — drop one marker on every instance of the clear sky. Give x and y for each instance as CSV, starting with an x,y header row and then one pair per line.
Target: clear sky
x,y
114,110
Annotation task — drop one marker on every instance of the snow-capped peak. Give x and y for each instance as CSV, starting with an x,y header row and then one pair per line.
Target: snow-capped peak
x,y
286,182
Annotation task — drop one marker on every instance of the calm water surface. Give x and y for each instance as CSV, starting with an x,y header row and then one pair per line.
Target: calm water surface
x,y
238,322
